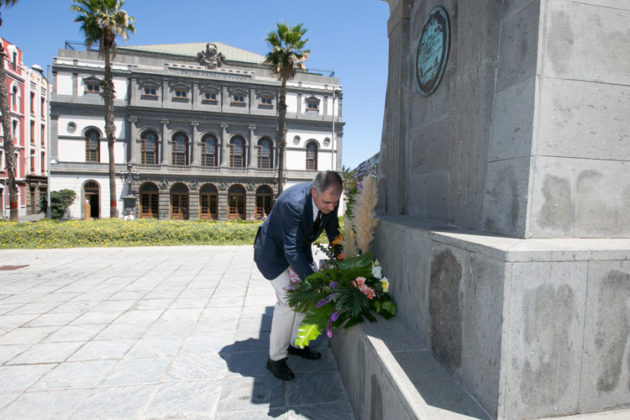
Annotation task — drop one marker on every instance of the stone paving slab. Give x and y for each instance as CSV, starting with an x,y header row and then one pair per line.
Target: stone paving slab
x,y
149,333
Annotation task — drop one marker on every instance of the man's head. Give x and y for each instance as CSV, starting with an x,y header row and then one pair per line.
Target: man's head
x,y
326,191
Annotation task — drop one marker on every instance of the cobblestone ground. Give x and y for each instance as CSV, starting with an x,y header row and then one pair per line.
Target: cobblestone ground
x,y
148,333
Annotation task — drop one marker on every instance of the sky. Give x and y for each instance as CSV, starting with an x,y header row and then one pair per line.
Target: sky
x,y
348,37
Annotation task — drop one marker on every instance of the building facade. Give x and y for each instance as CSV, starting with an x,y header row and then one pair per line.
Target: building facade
x,y
28,101
196,131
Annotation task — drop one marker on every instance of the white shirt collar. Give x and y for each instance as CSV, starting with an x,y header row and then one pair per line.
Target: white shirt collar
x,y
315,209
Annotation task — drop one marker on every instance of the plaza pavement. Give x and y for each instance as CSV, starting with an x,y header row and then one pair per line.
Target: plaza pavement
x,y
148,333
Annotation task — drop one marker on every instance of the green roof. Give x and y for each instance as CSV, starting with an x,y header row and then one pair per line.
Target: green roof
x,y
191,49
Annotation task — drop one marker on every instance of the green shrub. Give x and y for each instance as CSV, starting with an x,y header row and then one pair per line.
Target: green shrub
x,y
59,202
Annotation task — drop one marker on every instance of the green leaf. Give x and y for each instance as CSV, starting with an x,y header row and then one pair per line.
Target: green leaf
x,y
306,334
360,266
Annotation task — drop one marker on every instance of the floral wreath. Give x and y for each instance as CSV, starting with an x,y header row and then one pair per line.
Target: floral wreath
x,y
350,286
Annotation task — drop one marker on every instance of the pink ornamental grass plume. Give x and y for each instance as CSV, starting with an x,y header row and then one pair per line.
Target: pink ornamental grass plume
x,y
364,221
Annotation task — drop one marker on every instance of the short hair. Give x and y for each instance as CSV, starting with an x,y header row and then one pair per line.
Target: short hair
x,y
327,179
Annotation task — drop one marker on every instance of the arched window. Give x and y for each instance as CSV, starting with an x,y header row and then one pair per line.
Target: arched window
x,y
179,202
265,157
149,148
311,156
237,153
236,202
92,146
149,201
209,151
180,149
264,201
208,198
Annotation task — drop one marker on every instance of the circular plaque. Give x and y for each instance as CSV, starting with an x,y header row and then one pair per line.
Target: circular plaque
x,y
432,51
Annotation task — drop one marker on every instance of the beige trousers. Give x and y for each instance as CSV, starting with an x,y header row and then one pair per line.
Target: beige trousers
x,y
285,322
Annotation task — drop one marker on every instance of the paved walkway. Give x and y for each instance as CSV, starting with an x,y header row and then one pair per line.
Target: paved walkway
x,y
148,333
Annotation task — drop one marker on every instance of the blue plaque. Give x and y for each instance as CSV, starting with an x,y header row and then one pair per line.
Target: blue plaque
x,y
432,51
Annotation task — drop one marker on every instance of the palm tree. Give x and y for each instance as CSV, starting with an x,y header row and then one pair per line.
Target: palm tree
x,y
102,21
9,147
286,56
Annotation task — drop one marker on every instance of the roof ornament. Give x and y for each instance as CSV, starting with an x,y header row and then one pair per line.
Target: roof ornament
x,y
211,57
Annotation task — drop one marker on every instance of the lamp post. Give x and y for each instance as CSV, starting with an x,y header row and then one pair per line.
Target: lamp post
x,y
50,164
332,138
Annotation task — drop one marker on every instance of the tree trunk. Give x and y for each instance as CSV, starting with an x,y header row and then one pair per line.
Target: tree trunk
x,y
9,147
282,113
110,130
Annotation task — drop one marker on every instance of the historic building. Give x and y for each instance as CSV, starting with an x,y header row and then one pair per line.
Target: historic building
x,y
196,129
28,92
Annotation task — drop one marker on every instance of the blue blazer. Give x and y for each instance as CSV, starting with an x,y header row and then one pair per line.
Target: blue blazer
x,y
285,238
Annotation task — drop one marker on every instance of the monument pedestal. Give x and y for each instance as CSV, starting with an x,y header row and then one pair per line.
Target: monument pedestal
x,y
529,327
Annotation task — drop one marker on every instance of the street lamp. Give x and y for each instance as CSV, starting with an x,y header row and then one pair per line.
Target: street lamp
x,y
50,164
336,92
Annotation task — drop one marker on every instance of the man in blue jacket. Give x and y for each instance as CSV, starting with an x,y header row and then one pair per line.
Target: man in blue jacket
x,y
284,241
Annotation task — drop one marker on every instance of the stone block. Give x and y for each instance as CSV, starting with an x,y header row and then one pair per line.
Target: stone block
x,y
483,307
585,41
552,198
406,257
545,334
512,122
602,198
583,120
505,198
606,358
519,47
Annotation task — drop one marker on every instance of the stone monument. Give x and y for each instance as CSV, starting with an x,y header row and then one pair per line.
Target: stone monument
x,y
505,214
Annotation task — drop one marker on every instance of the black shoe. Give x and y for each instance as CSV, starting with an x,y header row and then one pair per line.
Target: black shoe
x,y
306,352
280,369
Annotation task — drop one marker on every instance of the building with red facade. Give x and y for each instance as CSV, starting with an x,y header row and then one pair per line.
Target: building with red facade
x,y
28,100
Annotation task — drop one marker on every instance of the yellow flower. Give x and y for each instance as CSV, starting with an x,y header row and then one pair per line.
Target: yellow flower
x,y
385,284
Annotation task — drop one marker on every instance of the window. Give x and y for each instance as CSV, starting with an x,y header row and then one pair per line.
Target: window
x,y
149,148
209,151
237,153
149,201
43,113
264,201
43,163
236,202
32,132
311,156
43,136
32,103
179,202
208,197
180,94
238,99
210,96
312,104
266,102
14,96
92,86
32,161
14,60
180,149
150,91
264,154
92,146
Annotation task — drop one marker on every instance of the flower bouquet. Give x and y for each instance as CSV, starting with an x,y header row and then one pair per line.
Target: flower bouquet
x,y
349,286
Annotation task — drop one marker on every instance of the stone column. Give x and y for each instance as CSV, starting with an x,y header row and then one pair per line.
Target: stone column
x,y
252,147
166,146
132,152
224,147
194,149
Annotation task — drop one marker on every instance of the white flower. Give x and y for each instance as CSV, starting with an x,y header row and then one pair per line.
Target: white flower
x,y
377,270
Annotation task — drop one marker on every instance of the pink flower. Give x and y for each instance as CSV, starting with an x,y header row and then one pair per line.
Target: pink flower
x,y
360,282
368,292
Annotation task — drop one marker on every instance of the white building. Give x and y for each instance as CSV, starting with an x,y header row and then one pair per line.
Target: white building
x,y
196,129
